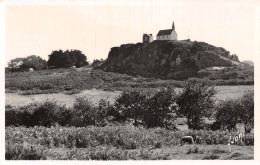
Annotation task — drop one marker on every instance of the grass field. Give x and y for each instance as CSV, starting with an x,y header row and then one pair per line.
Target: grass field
x,y
186,152
119,143
16,99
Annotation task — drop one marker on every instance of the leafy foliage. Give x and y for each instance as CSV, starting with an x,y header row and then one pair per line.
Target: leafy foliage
x,y
68,58
125,137
246,111
233,111
20,152
131,106
84,113
151,110
227,114
161,109
196,103
33,61
96,63
47,114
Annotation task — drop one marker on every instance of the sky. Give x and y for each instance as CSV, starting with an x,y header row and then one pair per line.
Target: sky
x,y
95,28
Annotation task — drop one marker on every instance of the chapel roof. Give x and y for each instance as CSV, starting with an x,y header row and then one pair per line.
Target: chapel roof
x,y
164,32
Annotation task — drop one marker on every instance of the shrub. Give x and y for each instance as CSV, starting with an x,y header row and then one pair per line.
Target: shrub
x,y
84,113
19,152
227,113
102,153
233,111
104,110
151,110
246,111
44,114
16,118
211,157
249,139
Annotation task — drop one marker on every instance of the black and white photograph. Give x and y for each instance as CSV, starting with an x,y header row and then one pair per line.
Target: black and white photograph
x,y
129,80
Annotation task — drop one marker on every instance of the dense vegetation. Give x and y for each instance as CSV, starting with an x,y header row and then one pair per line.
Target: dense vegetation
x,y
106,143
137,120
96,63
144,119
149,109
231,112
74,80
66,59
196,103
23,64
239,73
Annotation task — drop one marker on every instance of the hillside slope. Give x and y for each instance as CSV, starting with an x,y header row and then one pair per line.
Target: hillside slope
x,y
167,59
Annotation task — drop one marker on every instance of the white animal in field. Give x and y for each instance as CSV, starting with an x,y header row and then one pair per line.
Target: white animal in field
x,y
30,69
187,139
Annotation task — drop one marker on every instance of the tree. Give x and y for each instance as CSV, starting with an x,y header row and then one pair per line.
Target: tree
x,y
15,63
103,112
246,111
227,113
33,61
161,109
196,102
233,111
96,63
130,106
151,110
66,59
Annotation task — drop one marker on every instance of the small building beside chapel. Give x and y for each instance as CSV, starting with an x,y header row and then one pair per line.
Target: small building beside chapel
x,y
168,34
147,38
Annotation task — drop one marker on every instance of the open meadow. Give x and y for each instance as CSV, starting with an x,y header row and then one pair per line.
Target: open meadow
x,y
121,143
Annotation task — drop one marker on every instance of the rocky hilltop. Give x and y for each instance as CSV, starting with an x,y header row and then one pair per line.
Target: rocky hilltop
x,y
167,59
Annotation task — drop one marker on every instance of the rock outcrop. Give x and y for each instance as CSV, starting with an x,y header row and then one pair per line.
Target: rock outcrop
x,y
167,59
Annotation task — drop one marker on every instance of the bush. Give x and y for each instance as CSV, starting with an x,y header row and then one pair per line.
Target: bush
x,y
46,114
84,113
19,152
104,110
246,111
211,157
233,111
227,114
17,116
151,110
